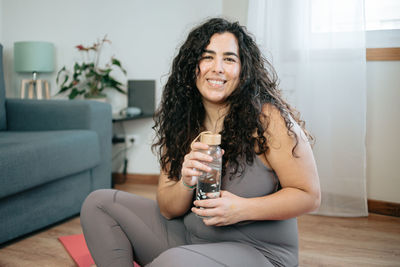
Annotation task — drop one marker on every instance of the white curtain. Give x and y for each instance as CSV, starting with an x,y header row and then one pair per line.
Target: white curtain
x,y
318,50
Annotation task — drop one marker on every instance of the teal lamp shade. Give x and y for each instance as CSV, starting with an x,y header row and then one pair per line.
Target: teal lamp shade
x,y
33,57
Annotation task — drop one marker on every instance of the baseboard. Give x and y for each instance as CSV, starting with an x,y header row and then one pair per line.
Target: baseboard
x,y
119,178
384,208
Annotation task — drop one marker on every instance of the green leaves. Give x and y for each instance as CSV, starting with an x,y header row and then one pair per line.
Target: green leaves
x,y
88,78
116,62
74,93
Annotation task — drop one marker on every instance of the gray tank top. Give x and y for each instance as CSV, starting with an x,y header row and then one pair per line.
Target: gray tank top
x,y
276,240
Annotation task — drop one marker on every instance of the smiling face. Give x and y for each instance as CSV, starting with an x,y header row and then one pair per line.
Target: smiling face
x,y
219,68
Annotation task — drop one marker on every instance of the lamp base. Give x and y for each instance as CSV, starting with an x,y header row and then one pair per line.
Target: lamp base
x,y
35,88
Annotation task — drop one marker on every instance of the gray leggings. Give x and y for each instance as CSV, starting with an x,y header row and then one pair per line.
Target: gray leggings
x,y
120,227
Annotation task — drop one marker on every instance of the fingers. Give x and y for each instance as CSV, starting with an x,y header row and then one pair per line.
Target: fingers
x,y
195,163
217,211
206,207
208,212
190,172
205,203
197,155
195,160
210,216
194,167
199,146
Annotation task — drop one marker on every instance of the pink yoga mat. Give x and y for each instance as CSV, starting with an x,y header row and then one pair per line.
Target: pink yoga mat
x,y
76,247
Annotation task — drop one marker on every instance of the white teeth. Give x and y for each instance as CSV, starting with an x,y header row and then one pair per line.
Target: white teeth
x,y
216,82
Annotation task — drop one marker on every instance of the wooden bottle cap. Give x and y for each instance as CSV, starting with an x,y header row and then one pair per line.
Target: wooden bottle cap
x,y
210,139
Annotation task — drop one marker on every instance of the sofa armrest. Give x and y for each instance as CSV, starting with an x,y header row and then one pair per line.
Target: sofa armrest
x,y
47,115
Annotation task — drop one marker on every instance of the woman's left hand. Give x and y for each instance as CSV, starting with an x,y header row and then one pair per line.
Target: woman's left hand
x,y
225,210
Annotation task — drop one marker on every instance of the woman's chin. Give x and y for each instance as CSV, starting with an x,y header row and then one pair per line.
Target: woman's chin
x,y
215,100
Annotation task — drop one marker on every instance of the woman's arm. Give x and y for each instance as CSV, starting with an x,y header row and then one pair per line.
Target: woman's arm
x,y
174,197
298,176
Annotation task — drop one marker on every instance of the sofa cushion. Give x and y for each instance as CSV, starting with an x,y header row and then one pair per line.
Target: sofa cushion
x,y
43,205
29,159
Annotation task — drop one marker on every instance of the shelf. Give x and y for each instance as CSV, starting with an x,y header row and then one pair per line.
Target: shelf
x,y
120,118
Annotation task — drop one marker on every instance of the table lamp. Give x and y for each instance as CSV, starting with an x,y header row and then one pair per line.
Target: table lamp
x,y
34,57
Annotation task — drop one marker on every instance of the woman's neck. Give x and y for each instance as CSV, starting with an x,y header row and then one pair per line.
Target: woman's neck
x,y
215,114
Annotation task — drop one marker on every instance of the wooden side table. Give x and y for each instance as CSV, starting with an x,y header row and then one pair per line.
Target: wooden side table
x,y
35,87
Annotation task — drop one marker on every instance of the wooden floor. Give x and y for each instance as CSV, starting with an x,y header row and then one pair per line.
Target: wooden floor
x,y
324,241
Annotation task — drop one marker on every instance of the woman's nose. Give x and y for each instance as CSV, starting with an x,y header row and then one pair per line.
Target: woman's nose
x,y
218,66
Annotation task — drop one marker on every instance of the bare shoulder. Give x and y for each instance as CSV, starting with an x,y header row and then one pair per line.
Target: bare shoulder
x,y
273,119
270,110
278,129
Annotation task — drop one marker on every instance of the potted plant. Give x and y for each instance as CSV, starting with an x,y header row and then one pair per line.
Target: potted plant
x,y
88,78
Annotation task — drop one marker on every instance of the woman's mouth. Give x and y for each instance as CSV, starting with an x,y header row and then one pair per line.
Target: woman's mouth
x,y
216,82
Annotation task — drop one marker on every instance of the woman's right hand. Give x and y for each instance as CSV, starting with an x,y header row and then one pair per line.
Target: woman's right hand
x,y
193,163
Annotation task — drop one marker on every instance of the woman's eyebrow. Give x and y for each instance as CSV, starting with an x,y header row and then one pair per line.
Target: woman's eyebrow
x,y
231,54
209,51
225,53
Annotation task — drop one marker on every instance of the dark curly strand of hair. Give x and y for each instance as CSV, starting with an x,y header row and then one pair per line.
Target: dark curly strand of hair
x,y
179,118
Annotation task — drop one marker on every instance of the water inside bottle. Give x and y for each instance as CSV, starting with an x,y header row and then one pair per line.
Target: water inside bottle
x,y
209,183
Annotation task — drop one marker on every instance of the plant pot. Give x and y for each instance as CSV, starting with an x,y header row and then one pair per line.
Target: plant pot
x,y
99,97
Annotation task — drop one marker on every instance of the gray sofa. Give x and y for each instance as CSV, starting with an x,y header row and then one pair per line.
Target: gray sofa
x,y
53,153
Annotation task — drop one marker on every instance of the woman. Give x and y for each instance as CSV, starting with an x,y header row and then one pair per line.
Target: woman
x,y
219,82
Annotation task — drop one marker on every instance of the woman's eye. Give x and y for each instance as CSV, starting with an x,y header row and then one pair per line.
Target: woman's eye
x,y
206,57
229,59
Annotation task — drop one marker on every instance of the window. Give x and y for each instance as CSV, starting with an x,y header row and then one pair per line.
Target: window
x,y
382,15
337,16
347,16
382,23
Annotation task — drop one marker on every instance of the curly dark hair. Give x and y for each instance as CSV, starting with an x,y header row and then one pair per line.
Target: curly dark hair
x,y
180,116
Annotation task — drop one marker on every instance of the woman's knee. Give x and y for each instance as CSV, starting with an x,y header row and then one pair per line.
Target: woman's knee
x,y
96,200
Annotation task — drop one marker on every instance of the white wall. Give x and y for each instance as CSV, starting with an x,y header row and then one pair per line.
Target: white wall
x,y
383,130
236,10
144,35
